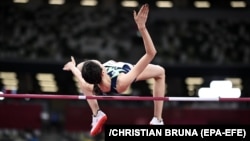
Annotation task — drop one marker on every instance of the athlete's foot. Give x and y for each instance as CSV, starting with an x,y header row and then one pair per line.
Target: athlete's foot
x,y
97,123
156,121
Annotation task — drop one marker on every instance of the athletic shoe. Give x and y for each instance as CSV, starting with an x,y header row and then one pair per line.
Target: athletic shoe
x,y
155,121
97,123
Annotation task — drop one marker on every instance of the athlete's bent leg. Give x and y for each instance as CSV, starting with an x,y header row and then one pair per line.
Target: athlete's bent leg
x,y
158,74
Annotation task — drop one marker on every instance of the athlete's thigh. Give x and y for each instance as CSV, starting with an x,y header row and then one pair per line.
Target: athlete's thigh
x,y
151,71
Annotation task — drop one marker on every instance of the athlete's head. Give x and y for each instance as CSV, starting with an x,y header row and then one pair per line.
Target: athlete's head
x,y
92,72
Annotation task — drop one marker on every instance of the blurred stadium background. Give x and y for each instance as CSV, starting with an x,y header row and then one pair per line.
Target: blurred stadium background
x,y
198,42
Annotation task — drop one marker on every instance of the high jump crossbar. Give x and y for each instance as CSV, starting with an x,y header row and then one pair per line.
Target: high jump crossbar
x,y
127,98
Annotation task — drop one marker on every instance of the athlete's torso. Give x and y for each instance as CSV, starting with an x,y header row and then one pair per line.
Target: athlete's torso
x,y
113,69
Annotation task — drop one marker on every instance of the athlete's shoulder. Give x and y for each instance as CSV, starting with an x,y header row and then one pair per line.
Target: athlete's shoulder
x,y
109,63
112,63
80,65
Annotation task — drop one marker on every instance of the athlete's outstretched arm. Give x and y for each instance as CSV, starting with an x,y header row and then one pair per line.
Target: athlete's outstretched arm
x,y
150,51
71,66
85,87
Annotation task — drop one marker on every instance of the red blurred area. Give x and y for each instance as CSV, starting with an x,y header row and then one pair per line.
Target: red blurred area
x,y
79,118
20,116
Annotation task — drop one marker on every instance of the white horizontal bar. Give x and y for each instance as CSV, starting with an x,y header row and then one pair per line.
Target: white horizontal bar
x,y
192,99
81,97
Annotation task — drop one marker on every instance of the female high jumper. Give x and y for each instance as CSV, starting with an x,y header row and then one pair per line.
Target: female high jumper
x,y
96,78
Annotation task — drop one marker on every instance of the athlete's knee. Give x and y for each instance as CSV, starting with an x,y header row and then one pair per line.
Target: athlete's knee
x,y
161,70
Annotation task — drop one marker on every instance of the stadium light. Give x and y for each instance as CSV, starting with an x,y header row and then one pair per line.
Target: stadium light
x,y
56,2
202,4
129,3
221,89
238,4
164,4
9,80
20,1
89,2
47,82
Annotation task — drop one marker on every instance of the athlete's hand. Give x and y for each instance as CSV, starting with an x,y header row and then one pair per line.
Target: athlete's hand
x,y
141,17
70,64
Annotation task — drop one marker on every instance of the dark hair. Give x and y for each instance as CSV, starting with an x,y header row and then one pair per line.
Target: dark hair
x,y
91,72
